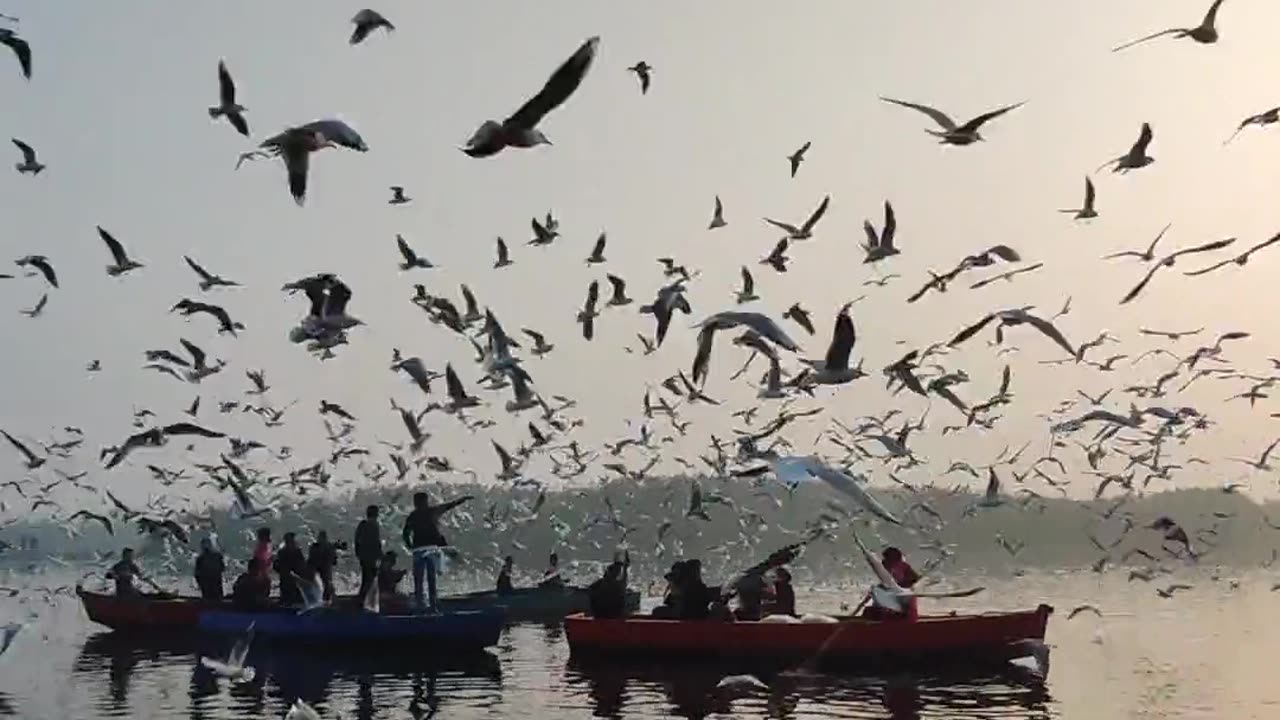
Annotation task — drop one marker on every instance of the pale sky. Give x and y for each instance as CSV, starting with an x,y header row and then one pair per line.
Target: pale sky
x,y
117,109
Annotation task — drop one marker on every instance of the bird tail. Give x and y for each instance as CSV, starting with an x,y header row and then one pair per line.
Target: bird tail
x,y
215,112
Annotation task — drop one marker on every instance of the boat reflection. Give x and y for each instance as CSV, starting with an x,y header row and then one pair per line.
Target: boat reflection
x,y
691,691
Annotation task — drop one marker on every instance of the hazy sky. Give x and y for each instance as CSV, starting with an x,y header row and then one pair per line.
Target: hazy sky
x,y
117,110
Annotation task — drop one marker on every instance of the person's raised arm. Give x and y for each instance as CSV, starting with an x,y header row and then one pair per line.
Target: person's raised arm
x,y
446,507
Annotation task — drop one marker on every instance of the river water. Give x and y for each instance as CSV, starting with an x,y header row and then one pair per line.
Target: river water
x,y
1203,653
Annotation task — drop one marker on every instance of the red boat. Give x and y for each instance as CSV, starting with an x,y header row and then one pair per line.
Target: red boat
x,y
143,611
985,639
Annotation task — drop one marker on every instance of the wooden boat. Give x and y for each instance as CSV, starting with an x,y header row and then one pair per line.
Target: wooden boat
x,y
146,610
342,626
531,604
982,639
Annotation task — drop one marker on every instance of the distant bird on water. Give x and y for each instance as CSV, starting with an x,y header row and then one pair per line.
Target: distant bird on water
x,y
1205,33
520,130
952,134
227,105
642,70
366,21
29,163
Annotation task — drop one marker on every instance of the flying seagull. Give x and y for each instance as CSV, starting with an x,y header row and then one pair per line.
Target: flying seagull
x,y
777,258
880,245
296,144
504,255
761,324
717,218
411,258
1148,255
642,70
397,196
38,310
19,47
1170,259
1268,117
227,105
208,280
952,134
520,130
29,163
1240,259
1086,211
1205,33
800,316
1137,156
225,324
834,368
41,263
805,231
1011,318
588,314
597,252
797,157
122,264
748,291
33,461
366,21
619,297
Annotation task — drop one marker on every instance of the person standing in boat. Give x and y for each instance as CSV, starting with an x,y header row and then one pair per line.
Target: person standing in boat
x,y
123,573
552,579
210,567
423,537
321,560
291,565
368,549
504,576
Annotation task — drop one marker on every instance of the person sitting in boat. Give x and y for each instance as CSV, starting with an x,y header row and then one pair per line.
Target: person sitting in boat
x,y
389,577
252,590
552,579
504,576
750,591
880,607
321,559
784,595
671,599
123,573
209,569
608,595
291,565
422,535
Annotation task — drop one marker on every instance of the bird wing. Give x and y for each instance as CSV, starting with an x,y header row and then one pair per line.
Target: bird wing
x,y
1004,252
28,152
619,286
21,448
702,357
226,86
296,162
196,353
502,250
22,50
890,226
1144,139
562,83
593,296
977,122
938,116
184,428
1089,193
1211,17
1207,247
843,338
748,282
1050,331
1211,268
972,330
1142,284
468,297
239,123
117,250
337,132
788,227
1141,40
846,484
454,383
598,249
817,214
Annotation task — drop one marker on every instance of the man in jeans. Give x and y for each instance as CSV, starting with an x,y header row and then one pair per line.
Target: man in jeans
x,y
423,537
368,550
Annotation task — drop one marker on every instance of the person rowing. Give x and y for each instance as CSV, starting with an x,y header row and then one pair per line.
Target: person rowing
x,y
892,598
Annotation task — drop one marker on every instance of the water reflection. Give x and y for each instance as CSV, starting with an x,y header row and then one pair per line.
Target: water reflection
x,y
363,683
690,691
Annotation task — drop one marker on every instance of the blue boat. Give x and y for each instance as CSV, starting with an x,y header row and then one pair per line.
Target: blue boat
x,y
478,629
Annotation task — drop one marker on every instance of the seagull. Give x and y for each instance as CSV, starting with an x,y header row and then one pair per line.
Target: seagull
x,y
33,461
542,234
122,264
1205,33
717,218
540,345
225,325
880,245
1011,274
800,316
302,711
740,683
761,324
414,368
102,520
36,311
1137,156
20,48
29,163
642,70
458,397
777,259
670,298
227,105
588,314
41,263
1261,463
1268,117
952,134
504,256
834,368
1170,259
1083,609
804,232
748,291
1149,255
619,297
597,252
7,634
411,258
520,130
1011,318
208,280
296,144
797,157
1085,212
366,21
1240,259
398,196
234,668
793,470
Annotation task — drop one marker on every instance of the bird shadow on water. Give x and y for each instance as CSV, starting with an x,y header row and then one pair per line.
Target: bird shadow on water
x,y
695,691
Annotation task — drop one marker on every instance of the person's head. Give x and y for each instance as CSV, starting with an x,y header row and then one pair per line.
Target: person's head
x,y
206,545
255,566
371,512
290,540
508,562
783,576
554,560
389,558
264,534
613,572
420,500
891,556
322,536
694,569
126,554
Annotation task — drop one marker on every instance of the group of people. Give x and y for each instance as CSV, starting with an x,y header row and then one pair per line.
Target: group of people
x,y
758,594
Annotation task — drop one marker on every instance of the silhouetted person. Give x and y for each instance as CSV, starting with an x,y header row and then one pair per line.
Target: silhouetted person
x,y
252,590
123,573
368,549
552,579
210,567
321,559
291,566
504,576
422,535
608,595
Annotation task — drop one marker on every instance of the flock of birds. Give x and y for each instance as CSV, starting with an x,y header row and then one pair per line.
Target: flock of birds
x,y
1129,445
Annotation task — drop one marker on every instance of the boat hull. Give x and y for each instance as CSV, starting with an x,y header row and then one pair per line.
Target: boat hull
x,y
531,604
984,639
142,611
464,629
